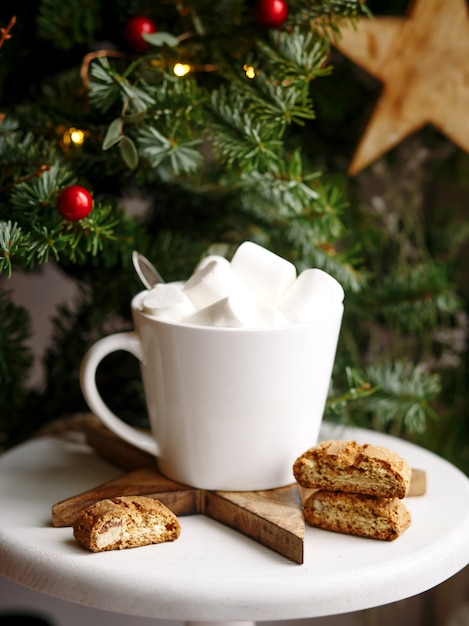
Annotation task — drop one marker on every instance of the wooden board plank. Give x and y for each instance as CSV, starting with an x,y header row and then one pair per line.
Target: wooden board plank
x,y
273,518
182,500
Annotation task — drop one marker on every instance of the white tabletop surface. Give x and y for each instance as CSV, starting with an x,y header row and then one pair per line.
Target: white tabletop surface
x,y
212,572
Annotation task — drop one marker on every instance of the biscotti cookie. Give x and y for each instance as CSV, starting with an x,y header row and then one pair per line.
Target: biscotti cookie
x,y
337,465
125,522
357,514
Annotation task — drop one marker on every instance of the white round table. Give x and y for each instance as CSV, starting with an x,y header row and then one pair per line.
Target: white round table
x,y
213,573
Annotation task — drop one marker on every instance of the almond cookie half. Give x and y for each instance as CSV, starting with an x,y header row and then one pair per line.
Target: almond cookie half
x,y
337,465
125,522
357,514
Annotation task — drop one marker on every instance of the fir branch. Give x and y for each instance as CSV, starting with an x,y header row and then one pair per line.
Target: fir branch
x,y
37,191
66,24
278,91
327,15
181,154
98,230
59,103
217,19
15,330
304,218
107,87
43,242
104,91
297,57
405,394
76,242
277,104
415,298
11,240
15,358
43,168
237,138
20,151
179,97
91,56
135,98
283,191
311,249
395,395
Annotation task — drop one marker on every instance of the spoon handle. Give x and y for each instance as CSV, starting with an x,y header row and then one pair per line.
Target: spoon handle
x,y
146,271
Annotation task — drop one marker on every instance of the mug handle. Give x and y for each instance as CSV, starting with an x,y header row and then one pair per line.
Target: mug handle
x,y
129,342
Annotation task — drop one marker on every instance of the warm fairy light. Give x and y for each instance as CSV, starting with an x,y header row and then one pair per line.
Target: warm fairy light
x,y
77,136
73,136
181,69
250,70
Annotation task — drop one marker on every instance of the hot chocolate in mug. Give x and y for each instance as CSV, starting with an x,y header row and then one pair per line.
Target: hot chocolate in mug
x,y
229,408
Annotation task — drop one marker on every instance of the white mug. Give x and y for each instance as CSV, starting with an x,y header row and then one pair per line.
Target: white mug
x,y
230,408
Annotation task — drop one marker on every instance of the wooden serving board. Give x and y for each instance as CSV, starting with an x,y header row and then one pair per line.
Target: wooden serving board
x,y
273,518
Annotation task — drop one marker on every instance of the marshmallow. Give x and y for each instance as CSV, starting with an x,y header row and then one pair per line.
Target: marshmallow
x,y
258,289
208,259
214,282
266,273
168,302
270,316
232,312
313,295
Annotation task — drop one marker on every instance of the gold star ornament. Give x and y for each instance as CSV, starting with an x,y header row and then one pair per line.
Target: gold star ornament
x,y
423,62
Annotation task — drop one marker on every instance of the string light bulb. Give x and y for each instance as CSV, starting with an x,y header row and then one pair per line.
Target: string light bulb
x,y
77,136
181,69
73,136
250,70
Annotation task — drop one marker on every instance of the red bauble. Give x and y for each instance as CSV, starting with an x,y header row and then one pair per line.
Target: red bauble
x,y
74,203
133,31
271,13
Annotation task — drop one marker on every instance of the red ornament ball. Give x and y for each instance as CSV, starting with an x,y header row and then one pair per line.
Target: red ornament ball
x,y
74,203
133,31
271,13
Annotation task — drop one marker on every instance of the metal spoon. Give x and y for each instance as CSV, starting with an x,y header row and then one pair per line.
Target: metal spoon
x,y
146,271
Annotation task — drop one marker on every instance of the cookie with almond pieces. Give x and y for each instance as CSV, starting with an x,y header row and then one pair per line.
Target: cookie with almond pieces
x,y
125,522
357,514
347,466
